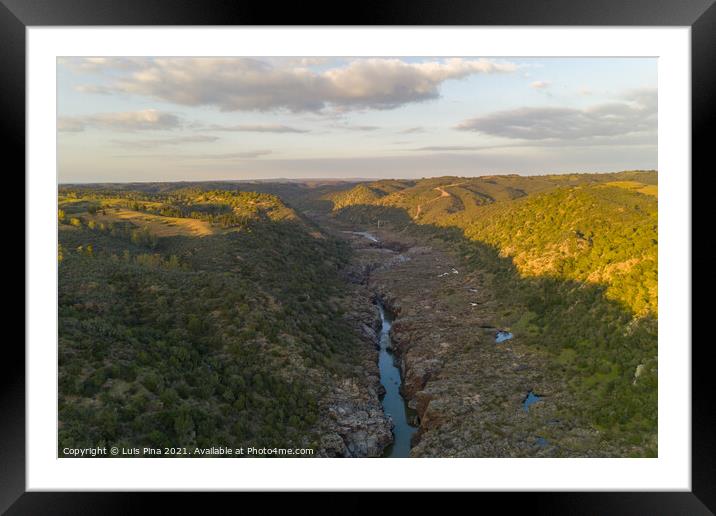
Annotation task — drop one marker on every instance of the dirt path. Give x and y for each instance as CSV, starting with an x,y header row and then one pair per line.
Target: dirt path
x,y
443,193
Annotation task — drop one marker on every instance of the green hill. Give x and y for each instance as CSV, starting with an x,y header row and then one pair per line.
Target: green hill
x,y
195,318
596,228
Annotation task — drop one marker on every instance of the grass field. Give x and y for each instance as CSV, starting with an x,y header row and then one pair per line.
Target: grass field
x,y
156,224
636,186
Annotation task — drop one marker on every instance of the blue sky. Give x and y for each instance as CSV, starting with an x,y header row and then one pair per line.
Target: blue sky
x,y
167,119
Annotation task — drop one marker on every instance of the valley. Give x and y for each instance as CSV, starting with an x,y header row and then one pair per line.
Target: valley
x,y
507,316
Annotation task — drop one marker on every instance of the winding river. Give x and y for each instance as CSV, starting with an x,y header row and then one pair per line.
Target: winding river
x,y
393,403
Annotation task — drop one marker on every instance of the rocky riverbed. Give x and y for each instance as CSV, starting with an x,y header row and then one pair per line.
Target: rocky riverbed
x,y
467,391
354,423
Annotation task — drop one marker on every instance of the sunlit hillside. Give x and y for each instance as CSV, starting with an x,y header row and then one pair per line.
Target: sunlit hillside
x,y
572,260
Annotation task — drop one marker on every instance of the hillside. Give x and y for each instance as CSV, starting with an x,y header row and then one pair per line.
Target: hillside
x,y
597,228
201,318
598,234
570,263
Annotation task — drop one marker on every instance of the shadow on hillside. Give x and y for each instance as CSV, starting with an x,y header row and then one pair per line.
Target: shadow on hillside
x,y
596,343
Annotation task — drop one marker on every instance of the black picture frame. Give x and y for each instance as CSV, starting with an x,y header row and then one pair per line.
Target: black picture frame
x,y
17,15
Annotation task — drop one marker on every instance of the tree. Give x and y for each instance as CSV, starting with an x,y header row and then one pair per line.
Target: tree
x,y
184,427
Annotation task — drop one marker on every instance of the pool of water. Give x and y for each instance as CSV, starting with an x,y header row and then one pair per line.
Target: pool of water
x,y
502,336
393,403
541,442
531,399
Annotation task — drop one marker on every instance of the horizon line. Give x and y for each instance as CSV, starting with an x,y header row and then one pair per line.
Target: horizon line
x,y
345,179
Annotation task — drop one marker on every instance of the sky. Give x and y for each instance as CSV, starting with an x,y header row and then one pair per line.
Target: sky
x,y
192,119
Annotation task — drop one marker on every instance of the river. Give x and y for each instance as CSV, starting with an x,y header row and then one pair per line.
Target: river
x,y
393,403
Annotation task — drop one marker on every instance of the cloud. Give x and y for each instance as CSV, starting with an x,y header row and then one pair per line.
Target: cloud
x,y
233,155
631,140
161,142
95,89
450,148
301,62
349,127
412,130
249,84
225,156
540,85
635,112
256,128
124,121
70,125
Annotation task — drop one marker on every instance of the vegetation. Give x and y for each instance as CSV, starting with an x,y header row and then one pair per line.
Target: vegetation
x,y
596,235
180,340
205,314
572,261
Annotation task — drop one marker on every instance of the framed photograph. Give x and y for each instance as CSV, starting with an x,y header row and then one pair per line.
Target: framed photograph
x,y
459,238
